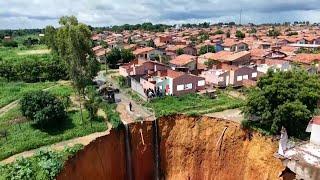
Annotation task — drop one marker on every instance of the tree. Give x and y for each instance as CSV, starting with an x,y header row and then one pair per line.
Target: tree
x,y
283,99
43,108
273,32
92,103
50,38
114,57
130,40
228,34
219,31
73,45
180,51
127,55
207,49
240,34
151,43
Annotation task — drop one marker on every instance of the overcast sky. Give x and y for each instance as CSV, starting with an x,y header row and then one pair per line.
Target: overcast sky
x,y
16,14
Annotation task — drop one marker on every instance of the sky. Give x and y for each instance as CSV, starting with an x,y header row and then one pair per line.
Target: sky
x,y
20,14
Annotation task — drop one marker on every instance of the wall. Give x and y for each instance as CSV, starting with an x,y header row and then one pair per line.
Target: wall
x,y
101,159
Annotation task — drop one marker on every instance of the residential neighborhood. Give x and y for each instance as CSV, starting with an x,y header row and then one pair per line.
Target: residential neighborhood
x,y
163,90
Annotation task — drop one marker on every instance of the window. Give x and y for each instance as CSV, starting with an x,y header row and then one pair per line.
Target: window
x,y
239,78
254,74
180,87
245,77
188,86
201,83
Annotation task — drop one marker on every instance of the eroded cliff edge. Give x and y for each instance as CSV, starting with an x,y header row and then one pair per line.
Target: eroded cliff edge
x,y
190,148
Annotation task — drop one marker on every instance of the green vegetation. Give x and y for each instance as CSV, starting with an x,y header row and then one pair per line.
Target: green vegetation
x,y
292,33
308,51
144,26
43,165
11,91
23,136
192,104
43,108
207,49
180,51
240,34
283,99
113,116
273,33
119,56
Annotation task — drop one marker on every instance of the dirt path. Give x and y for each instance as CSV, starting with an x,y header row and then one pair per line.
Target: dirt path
x,y
230,114
138,112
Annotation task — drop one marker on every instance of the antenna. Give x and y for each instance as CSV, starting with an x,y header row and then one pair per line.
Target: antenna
x,y
240,16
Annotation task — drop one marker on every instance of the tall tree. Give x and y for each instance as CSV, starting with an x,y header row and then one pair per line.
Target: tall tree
x,y
73,44
283,99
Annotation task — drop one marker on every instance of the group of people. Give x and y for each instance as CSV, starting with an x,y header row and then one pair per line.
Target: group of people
x,y
152,93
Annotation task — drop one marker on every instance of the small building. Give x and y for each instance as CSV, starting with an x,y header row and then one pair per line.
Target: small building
x,y
184,62
146,53
314,128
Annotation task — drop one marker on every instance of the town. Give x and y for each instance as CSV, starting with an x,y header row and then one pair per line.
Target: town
x,y
226,100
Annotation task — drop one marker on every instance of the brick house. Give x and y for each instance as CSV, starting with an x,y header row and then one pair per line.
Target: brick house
x,y
235,77
171,82
184,62
140,67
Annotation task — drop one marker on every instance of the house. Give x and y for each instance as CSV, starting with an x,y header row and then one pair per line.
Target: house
x,y
212,76
171,50
171,82
275,64
305,59
184,63
100,53
7,38
140,67
234,46
314,128
146,53
237,59
235,77
213,56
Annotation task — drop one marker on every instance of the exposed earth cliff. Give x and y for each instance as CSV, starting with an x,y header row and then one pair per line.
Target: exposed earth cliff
x,y
189,148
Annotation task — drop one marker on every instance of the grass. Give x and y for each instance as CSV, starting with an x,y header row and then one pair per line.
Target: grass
x,y
20,54
11,91
25,136
193,104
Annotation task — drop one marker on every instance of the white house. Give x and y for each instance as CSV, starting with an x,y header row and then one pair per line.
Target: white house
x,y
314,128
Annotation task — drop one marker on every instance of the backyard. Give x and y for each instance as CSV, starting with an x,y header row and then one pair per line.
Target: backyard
x,y
193,104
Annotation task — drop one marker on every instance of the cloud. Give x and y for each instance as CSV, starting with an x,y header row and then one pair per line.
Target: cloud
x,y
39,13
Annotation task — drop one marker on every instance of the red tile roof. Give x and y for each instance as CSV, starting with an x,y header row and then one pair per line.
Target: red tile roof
x,y
142,50
183,59
315,120
306,58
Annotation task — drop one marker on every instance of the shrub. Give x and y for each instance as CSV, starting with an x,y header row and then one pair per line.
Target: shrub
x,y
32,70
42,108
10,44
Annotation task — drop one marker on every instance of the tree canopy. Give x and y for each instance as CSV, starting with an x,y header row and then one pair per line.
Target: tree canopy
x,y
287,99
43,108
240,34
207,49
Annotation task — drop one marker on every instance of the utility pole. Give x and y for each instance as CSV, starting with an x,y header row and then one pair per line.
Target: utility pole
x,y
240,16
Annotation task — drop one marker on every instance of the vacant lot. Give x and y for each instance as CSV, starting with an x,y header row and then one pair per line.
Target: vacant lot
x,y
20,54
193,104
11,91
